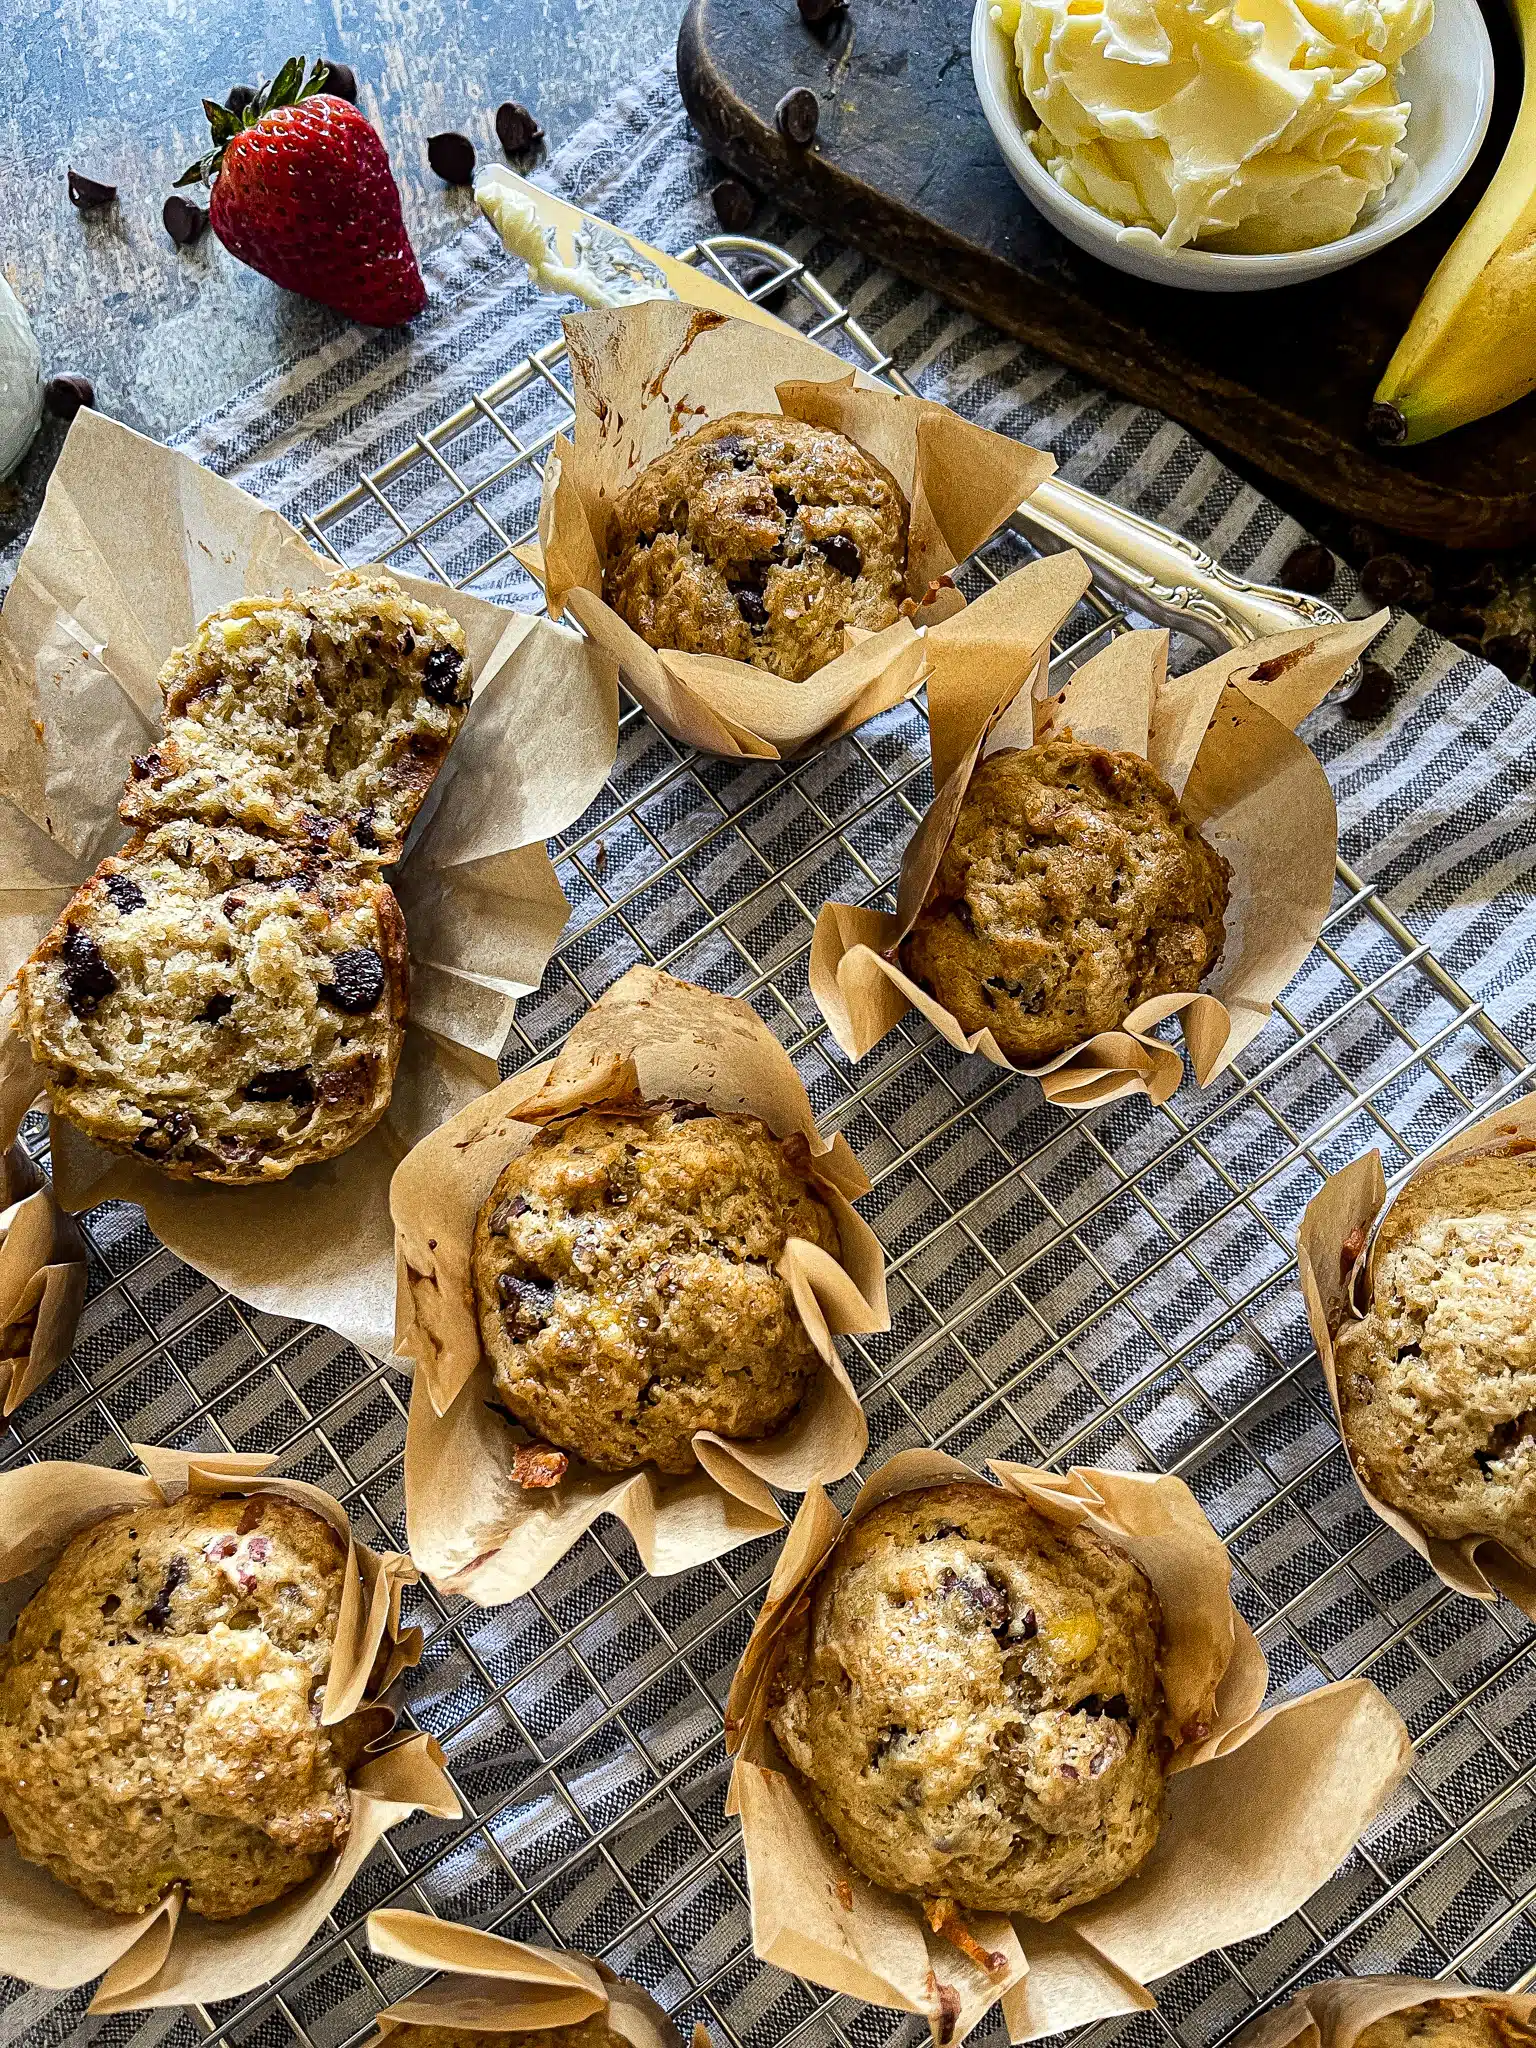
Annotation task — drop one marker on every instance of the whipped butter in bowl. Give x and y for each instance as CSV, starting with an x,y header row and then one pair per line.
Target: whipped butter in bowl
x,y
1233,144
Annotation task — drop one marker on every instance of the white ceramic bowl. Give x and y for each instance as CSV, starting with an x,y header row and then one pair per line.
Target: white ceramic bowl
x,y
1447,79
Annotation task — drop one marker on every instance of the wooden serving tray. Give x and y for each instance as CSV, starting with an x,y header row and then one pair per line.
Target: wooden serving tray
x,y
905,167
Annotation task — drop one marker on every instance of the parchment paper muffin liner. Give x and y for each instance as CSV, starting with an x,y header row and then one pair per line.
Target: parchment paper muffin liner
x,y
1263,1806
1336,2012
1221,737
42,1279
134,547
472,1528
491,1984
51,1936
645,376
1334,1250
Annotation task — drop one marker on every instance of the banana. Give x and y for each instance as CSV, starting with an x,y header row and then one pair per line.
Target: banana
x,y
1471,345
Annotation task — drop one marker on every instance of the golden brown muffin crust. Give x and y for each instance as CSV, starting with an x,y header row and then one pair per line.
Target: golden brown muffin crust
x,y
625,1272
971,1697
1072,889
1450,2023
592,2032
759,538
160,1707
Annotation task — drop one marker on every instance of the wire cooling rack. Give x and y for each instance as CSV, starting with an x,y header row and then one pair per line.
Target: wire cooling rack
x,y
1112,1288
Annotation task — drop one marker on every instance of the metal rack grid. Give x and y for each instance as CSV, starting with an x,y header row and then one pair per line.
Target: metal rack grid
x,y
1111,1288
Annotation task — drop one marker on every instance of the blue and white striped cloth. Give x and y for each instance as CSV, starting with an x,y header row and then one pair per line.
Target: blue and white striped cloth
x,y
1435,799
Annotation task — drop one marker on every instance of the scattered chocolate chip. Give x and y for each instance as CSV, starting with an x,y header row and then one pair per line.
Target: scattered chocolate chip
x,y
814,12
760,280
1388,579
216,1009
341,80
452,156
1510,652
1308,568
157,1614
142,765
362,828
1372,694
689,1112
1026,1628
442,675
986,1598
786,501
357,981
252,1515
526,1305
64,1687
734,204
842,554
87,977
281,1084
125,893
516,129
84,191
64,396
239,97
232,905
1386,426
184,219
797,115
749,602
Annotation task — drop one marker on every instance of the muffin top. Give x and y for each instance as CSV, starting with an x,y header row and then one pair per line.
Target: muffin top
x,y
759,537
592,2032
1437,1384
321,715
160,1707
971,1696
1073,888
1450,2023
227,1007
625,1271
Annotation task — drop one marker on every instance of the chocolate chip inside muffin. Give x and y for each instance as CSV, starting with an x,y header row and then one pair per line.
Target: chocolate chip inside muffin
x,y
223,1006
626,1279
971,1698
759,538
322,715
1450,2023
160,1708
592,2032
1073,888
1437,1385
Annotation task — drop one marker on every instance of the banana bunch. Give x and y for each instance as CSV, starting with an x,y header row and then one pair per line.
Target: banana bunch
x,y
1471,346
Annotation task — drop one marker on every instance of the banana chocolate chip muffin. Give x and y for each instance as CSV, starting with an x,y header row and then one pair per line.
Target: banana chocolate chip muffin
x,y
760,538
160,1707
1437,1385
321,715
971,1697
626,1279
1073,888
224,1006
592,2032
1450,2023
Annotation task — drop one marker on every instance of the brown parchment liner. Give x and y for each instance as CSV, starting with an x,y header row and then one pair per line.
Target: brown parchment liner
x,y
135,545
645,376
491,1984
471,1528
1263,1804
42,1279
1336,2012
51,1936
1334,1268
1221,737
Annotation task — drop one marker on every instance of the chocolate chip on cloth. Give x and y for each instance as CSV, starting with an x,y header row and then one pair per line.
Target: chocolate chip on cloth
x,y
626,1283
225,1006
159,1708
1073,888
1437,1385
322,714
971,1697
759,538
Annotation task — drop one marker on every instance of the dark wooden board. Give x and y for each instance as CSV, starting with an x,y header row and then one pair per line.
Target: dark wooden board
x,y
904,166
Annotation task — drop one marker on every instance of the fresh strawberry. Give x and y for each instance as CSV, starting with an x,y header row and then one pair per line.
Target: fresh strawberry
x,y
302,192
